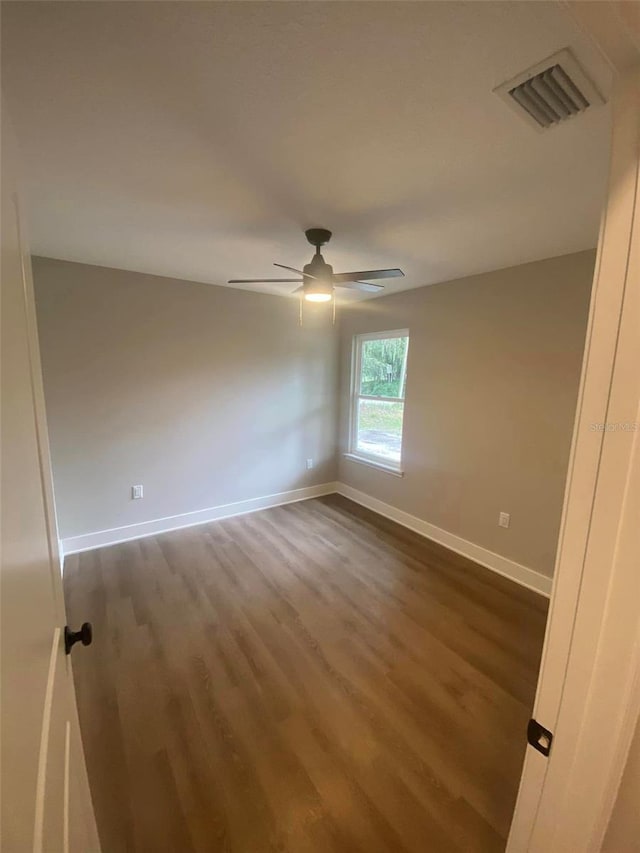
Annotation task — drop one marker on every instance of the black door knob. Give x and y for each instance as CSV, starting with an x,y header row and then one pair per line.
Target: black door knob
x,y
84,635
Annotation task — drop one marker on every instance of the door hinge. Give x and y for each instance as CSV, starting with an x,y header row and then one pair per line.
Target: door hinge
x,y
539,737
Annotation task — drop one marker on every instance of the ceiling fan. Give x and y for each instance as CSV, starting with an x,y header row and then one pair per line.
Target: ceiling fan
x,y
318,279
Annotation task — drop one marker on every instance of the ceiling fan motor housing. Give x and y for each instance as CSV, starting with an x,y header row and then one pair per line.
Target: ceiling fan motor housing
x,y
322,281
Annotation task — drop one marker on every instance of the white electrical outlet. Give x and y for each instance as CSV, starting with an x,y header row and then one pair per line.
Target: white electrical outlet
x,y
137,492
504,519
309,464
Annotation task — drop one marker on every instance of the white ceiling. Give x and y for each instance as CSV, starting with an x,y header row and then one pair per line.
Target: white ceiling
x,y
198,140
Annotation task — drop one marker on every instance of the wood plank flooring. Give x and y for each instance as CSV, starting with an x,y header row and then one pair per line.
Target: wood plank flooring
x,y
310,678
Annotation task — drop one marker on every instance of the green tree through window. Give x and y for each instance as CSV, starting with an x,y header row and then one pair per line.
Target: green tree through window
x,y
380,362
383,367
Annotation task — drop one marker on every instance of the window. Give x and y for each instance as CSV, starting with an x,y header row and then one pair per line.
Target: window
x,y
377,402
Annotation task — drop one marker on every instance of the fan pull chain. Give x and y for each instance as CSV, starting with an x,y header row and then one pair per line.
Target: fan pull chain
x,y
333,321
301,308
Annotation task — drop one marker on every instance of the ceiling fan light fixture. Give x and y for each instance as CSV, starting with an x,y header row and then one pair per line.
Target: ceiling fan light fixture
x,y
317,297
318,283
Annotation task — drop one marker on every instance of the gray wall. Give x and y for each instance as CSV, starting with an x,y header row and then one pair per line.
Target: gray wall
x,y
493,373
205,395
208,395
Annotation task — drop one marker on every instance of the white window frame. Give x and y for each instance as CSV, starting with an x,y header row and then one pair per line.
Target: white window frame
x,y
355,396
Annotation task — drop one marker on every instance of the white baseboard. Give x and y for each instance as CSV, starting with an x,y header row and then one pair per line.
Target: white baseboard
x,y
89,541
502,565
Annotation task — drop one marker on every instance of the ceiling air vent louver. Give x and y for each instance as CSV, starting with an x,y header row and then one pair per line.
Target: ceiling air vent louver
x,y
550,92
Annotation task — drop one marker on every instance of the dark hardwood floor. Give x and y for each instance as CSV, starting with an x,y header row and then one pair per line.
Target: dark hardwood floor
x,y
306,678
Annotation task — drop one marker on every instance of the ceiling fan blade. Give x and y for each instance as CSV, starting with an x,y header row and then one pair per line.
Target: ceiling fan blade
x,y
298,289
366,274
292,269
360,285
262,280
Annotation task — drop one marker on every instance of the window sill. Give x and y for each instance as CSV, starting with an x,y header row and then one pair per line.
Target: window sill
x,y
372,463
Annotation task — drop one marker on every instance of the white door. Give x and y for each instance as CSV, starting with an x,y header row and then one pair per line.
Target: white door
x,y
46,804
588,689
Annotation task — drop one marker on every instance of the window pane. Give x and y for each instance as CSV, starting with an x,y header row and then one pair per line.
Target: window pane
x,y
380,428
382,367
